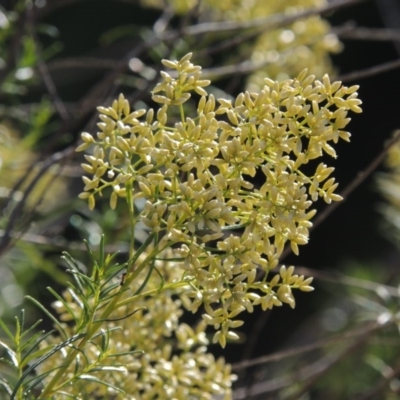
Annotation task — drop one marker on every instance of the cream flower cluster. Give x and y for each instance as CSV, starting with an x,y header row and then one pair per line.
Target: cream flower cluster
x,y
198,177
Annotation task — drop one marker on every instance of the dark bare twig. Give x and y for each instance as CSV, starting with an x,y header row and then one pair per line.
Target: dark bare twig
x,y
99,92
322,367
368,72
312,372
263,25
86,63
309,372
370,34
346,32
44,71
306,348
17,211
268,23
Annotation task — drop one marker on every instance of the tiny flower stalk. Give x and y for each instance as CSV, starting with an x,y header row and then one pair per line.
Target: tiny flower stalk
x,y
215,232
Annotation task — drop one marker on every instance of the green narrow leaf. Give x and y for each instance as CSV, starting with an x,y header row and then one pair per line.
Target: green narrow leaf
x,y
5,385
77,364
36,380
146,279
74,267
161,277
113,272
110,257
105,367
104,293
72,262
49,314
102,253
8,362
31,355
62,300
84,280
115,328
82,353
33,366
72,396
126,353
105,340
141,249
99,381
74,295
121,318
92,257
85,306
31,328
6,330
11,353
17,338
29,341
21,323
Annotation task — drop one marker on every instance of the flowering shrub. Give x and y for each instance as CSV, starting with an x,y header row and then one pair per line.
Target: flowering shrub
x,y
214,235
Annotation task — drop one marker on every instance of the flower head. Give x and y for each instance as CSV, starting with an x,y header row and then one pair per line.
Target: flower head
x,y
196,176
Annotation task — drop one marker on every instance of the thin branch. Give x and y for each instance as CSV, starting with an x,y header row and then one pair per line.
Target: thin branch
x,y
316,369
306,348
368,72
370,34
86,63
44,71
17,211
322,367
242,68
268,23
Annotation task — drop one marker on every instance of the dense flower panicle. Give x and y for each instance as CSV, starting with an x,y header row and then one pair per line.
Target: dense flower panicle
x,y
195,176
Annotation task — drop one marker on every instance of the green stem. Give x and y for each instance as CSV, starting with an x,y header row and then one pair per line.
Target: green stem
x,y
182,112
131,210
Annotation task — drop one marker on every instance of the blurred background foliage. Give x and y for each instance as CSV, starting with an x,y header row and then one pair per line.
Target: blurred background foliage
x,y
61,59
